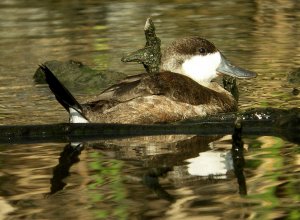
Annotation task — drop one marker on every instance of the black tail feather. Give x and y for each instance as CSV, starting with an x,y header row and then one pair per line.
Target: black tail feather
x,y
62,94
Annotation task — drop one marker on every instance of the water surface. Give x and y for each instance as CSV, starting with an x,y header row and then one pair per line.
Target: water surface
x,y
146,178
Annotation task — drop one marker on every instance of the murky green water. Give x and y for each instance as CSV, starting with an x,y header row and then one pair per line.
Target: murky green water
x,y
144,178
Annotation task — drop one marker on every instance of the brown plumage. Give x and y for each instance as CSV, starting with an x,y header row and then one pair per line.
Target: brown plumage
x,y
182,90
161,97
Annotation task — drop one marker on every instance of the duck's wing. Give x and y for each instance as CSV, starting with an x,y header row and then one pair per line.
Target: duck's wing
x,y
176,87
127,89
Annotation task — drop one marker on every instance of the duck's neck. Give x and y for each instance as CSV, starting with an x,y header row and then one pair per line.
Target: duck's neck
x,y
204,80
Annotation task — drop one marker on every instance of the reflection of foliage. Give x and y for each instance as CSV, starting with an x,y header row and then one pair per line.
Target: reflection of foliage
x,y
253,164
106,190
282,97
264,104
101,44
294,214
273,195
253,145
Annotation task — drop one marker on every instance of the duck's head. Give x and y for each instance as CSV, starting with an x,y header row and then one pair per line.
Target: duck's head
x,y
200,60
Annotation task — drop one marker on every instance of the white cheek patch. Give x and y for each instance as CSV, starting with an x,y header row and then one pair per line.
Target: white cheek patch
x,y
202,69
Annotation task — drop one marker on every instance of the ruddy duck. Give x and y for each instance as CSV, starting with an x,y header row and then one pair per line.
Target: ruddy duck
x,y
183,89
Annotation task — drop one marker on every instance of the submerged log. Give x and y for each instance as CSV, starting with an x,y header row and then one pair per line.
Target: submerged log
x,y
237,152
150,55
293,78
229,83
277,122
77,76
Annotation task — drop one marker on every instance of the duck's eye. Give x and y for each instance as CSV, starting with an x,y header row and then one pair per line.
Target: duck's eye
x,y
202,50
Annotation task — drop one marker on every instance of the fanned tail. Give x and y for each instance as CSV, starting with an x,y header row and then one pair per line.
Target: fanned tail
x,y
64,97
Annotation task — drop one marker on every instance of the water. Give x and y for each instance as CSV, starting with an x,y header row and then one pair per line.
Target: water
x,y
144,178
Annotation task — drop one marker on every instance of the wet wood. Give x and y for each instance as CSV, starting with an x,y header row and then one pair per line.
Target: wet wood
x,y
150,55
277,122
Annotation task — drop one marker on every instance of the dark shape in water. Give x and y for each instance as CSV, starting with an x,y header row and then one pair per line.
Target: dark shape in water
x,y
237,152
294,76
229,83
78,76
150,55
68,157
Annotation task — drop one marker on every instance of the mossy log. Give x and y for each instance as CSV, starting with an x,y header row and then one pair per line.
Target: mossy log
x,y
150,55
77,76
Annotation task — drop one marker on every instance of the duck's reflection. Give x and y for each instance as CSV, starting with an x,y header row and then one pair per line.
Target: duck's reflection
x,y
68,157
182,158
210,163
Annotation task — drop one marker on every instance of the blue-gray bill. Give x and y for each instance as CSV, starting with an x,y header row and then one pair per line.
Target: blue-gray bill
x,y
227,68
